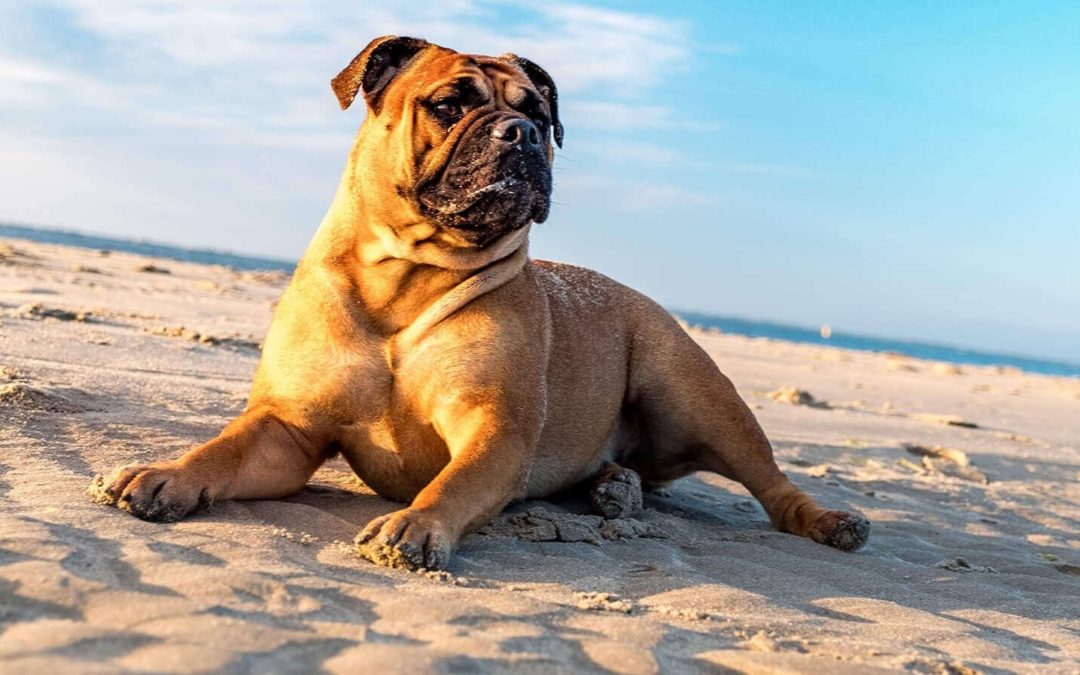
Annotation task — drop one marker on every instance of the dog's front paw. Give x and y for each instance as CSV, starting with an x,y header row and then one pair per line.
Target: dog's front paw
x,y
163,492
409,539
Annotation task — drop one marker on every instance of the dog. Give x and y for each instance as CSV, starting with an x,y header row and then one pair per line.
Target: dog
x,y
454,374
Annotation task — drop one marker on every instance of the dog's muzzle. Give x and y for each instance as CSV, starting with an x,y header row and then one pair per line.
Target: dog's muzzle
x,y
497,180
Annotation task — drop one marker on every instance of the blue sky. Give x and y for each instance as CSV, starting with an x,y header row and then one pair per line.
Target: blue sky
x,y
896,169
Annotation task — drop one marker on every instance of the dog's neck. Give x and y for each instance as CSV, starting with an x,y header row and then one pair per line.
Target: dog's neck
x,y
407,276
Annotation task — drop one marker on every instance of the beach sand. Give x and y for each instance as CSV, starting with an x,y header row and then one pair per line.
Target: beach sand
x,y
971,477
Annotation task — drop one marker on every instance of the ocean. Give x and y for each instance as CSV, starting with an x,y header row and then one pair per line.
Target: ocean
x,y
206,257
919,350
736,326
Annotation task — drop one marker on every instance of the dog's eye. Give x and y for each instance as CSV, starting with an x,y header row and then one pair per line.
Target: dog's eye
x,y
448,109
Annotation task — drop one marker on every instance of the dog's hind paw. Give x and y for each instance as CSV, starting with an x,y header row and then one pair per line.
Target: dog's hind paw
x,y
841,530
616,492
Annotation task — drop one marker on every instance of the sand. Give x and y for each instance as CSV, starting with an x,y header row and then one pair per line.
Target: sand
x,y
970,476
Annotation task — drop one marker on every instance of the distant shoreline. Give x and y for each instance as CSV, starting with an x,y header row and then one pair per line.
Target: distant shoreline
x,y
736,326
920,350
97,241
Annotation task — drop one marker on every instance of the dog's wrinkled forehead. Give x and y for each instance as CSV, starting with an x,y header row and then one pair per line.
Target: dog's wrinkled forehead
x,y
395,71
474,78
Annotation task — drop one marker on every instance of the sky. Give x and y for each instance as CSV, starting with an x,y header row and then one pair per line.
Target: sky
x,y
906,170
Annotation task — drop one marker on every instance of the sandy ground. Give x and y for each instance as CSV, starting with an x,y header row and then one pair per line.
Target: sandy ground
x,y
970,476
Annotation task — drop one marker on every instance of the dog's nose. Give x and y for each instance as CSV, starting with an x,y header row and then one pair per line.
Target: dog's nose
x,y
516,131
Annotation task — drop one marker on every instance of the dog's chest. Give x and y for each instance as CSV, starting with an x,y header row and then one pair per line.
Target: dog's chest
x,y
386,435
314,372
376,425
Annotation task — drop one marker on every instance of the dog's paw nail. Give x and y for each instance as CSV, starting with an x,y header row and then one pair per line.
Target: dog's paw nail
x,y
436,553
406,539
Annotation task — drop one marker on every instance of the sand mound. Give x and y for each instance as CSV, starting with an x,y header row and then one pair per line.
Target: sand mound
x,y
540,524
16,395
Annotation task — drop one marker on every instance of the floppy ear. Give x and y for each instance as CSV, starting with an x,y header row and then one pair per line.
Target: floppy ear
x,y
546,86
373,68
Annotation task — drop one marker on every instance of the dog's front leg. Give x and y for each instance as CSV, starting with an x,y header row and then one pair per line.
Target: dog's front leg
x,y
258,455
490,456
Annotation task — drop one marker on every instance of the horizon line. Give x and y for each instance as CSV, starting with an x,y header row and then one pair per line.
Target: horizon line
x,y
1050,361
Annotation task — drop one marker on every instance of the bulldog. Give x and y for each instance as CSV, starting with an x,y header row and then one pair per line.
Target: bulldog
x,y
454,374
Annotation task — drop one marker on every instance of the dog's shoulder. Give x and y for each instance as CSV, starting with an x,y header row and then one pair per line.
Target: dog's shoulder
x,y
574,286
580,288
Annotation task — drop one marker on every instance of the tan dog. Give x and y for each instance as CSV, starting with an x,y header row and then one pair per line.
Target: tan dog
x,y
453,373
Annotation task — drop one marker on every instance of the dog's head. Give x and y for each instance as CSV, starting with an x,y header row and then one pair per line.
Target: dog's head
x,y
463,140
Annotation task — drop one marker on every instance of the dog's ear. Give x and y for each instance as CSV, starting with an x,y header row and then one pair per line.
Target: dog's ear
x,y
373,68
546,86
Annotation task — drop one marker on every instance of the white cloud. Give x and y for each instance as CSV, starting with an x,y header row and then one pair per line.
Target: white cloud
x,y
649,154
622,115
585,47
74,177
654,155
15,71
631,196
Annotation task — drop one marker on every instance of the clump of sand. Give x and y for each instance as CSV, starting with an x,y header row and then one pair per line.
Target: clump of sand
x,y
151,268
541,524
796,396
961,565
204,338
36,310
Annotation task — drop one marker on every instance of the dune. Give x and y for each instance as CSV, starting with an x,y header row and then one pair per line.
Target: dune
x,y
973,564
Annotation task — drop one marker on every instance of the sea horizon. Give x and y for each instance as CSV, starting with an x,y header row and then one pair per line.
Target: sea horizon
x,y
755,328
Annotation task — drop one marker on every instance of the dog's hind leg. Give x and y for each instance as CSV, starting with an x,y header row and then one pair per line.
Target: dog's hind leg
x,y
692,419
258,455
